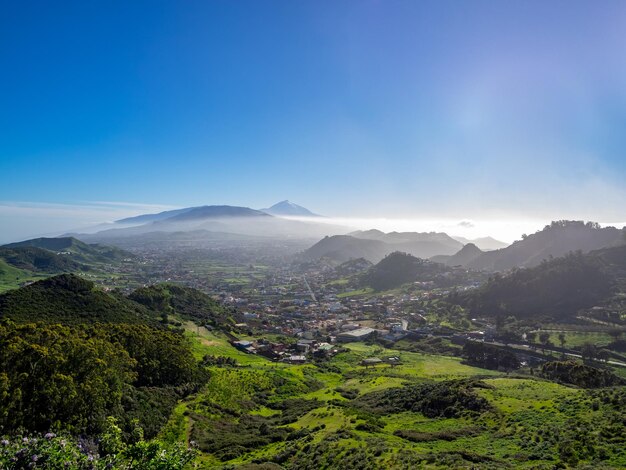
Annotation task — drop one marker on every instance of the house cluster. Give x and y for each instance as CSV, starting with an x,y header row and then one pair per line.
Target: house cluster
x,y
294,353
374,361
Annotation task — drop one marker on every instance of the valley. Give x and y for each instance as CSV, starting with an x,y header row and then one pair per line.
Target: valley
x,y
304,362
444,289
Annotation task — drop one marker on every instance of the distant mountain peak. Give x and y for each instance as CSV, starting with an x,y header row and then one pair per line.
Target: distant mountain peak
x,y
470,248
191,213
288,208
484,243
216,212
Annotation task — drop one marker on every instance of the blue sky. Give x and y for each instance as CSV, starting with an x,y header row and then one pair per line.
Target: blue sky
x,y
443,109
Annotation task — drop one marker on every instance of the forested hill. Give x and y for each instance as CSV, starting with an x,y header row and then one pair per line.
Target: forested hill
x,y
556,239
184,301
463,257
75,249
341,248
555,289
399,268
36,259
69,299
614,260
73,355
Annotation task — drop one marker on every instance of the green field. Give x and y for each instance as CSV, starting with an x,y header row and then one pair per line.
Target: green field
x,y
356,293
576,338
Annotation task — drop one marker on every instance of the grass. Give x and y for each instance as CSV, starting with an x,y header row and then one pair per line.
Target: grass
x,y
339,282
575,339
356,293
12,277
414,365
520,406
212,343
514,394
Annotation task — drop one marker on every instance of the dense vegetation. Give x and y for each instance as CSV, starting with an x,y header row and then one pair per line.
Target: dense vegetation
x,y
557,288
76,250
9,275
39,260
449,399
399,268
73,377
68,298
581,375
72,356
108,451
556,239
490,356
184,301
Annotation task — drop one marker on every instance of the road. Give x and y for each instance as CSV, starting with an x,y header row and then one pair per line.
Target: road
x,y
306,283
526,347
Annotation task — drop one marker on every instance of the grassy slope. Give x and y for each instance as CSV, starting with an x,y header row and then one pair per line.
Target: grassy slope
x,y
523,406
11,277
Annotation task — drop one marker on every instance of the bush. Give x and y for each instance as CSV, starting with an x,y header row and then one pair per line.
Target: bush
x,y
581,375
449,399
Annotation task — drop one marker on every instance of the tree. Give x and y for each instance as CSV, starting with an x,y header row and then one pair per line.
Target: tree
x,y
603,355
544,339
588,352
562,339
615,333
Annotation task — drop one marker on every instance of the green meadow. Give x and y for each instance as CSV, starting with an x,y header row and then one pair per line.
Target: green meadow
x,y
261,414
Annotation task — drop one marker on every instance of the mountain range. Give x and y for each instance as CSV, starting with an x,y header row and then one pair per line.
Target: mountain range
x,y
556,239
223,219
221,222
484,243
374,245
282,208
341,248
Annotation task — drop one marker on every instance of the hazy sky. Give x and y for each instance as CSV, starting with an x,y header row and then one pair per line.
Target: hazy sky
x,y
423,110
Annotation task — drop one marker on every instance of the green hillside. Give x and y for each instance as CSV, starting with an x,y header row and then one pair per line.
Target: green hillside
x,y
10,273
76,249
399,268
183,301
556,239
11,277
69,299
555,289
242,411
426,412
31,258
